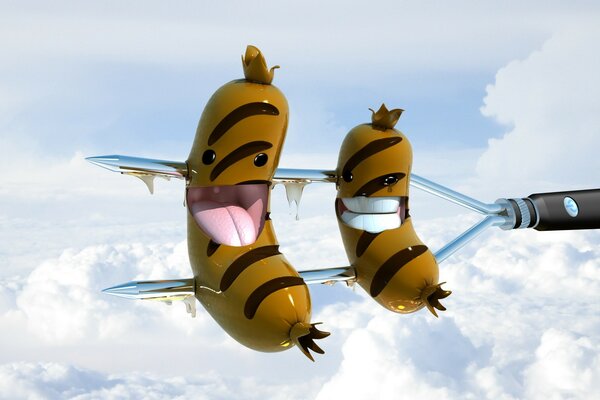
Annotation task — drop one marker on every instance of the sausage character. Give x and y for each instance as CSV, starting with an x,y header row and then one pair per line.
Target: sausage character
x,y
391,262
241,277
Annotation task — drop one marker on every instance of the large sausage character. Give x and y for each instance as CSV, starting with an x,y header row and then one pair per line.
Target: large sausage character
x,y
241,277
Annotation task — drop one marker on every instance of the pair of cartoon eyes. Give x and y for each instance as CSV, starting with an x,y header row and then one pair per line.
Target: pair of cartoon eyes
x,y
385,181
210,156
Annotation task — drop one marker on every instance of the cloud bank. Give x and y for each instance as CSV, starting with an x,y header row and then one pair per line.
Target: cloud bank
x,y
60,381
521,323
523,311
547,100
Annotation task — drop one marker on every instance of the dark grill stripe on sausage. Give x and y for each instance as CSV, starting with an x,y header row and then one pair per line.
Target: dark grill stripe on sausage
x,y
364,241
255,182
241,152
373,147
267,288
212,247
244,261
376,184
240,113
388,269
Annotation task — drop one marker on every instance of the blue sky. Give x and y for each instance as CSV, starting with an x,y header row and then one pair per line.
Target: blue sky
x,y
501,99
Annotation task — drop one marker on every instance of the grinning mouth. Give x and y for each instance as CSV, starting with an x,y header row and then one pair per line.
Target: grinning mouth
x,y
372,214
230,215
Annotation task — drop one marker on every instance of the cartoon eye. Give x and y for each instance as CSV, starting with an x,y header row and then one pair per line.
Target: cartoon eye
x,y
261,159
347,176
209,157
389,180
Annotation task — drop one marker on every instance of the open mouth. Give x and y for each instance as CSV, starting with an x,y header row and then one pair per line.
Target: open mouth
x,y
372,214
230,215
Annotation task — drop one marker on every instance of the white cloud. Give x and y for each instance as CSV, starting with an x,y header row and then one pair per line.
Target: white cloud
x,y
48,202
46,177
521,300
566,366
434,35
58,313
62,302
63,381
400,358
485,341
427,35
44,380
549,101
524,304
523,310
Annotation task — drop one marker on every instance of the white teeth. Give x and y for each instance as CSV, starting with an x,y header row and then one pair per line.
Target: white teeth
x,y
373,223
362,204
372,214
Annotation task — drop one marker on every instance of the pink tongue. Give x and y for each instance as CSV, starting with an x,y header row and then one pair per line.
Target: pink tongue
x,y
225,223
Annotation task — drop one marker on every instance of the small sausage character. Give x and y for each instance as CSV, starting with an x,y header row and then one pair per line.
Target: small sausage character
x,y
391,262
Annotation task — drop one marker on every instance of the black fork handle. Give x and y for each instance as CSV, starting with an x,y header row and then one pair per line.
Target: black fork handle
x,y
558,211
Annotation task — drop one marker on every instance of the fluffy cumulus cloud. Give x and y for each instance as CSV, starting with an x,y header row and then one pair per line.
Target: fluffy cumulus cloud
x,y
60,381
523,313
521,323
58,312
192,25
392,359
548,100
566,365
50,202
61,298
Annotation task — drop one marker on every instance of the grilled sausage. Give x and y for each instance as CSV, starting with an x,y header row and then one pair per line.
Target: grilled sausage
x,y
391,262
242,278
